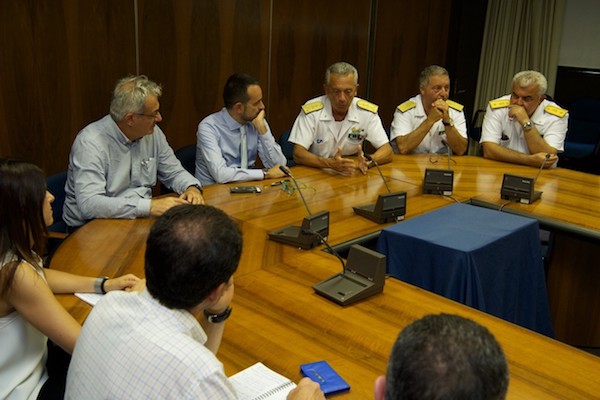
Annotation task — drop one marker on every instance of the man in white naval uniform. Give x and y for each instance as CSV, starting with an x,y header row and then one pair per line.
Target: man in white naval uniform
x,y
336,124
525,127
430,122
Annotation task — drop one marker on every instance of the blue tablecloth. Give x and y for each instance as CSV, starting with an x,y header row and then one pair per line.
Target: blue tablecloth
x,y
482,258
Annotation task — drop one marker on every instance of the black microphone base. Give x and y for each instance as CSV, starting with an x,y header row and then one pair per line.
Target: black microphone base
x,y
390,207
438,181
364,277
519,188
304,236
294,236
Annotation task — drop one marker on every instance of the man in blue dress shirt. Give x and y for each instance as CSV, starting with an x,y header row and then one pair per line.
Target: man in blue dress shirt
x,y
228,141
115,161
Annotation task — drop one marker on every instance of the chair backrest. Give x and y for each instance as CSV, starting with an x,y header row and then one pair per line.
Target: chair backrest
x,y
187,156
287,147
474,133
583,134
56,186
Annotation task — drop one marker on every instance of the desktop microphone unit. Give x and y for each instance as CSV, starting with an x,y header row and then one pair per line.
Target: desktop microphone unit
x,y
363,275
314,227
389,207
521,188
439,181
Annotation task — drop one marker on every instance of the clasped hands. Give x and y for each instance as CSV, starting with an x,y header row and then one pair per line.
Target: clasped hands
x,y
191,196
348,166
438,111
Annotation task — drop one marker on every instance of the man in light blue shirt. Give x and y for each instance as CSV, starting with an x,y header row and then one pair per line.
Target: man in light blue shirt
x,y
228,141
115,161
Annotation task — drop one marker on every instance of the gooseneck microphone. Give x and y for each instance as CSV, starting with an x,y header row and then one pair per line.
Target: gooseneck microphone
x,y
439,181
287,172
449,151
314,228
332,251
370,158
389,207
541,167
521,188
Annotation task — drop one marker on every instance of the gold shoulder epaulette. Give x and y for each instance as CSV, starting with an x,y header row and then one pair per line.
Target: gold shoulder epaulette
x,y
366,105
501,103
407,105
455,105
556,111
311,107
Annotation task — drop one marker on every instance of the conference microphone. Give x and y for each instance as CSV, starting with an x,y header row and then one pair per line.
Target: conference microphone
x,y
363,276
439,181
521,188
370,158
314,229
449,151
287,172
541,167
389,207
332,251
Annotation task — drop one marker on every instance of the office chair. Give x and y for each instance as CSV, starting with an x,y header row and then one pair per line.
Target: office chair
x,y
583,135
56,185
187,156
474,134
287,147
58,230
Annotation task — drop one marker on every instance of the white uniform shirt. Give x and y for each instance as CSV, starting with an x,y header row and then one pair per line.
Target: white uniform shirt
x,y
318,132
414,115
507,132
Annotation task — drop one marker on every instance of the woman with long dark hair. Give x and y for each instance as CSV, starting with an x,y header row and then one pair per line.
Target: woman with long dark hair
x,y
31,366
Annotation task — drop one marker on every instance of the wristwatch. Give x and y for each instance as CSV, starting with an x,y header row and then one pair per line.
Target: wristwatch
x,y
197,187
265,172
527,126
99,284
449,123
216,318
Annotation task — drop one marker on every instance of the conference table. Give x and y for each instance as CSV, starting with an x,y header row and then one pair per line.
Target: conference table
x,y
278,319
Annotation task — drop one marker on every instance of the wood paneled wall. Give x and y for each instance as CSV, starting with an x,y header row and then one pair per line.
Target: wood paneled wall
x,y
61,59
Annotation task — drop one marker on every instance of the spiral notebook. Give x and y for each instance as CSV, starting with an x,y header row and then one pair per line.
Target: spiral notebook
x,y
258,382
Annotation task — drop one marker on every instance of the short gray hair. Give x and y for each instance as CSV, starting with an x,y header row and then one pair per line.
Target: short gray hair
x,y
527,78
341,68
432,70
130,95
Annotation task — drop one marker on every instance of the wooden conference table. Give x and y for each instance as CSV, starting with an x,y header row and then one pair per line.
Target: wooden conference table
x,y
277,319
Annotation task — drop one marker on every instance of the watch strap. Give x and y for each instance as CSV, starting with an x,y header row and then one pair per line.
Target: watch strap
x,y
216,318
197,187
99,284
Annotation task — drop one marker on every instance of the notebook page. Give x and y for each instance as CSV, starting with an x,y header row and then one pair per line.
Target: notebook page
x,y
258,382
90,298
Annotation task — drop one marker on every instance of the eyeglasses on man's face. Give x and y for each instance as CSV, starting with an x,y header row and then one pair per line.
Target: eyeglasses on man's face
x,y
154,115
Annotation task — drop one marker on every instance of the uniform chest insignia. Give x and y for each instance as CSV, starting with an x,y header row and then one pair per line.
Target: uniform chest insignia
x,y
366,105
407,105
495,104
313,106
556,111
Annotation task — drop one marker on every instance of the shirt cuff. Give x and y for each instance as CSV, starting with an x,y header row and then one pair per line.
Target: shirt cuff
x,y
143,208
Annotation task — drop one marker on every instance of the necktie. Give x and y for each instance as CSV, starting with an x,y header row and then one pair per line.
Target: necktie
x,y
244,147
